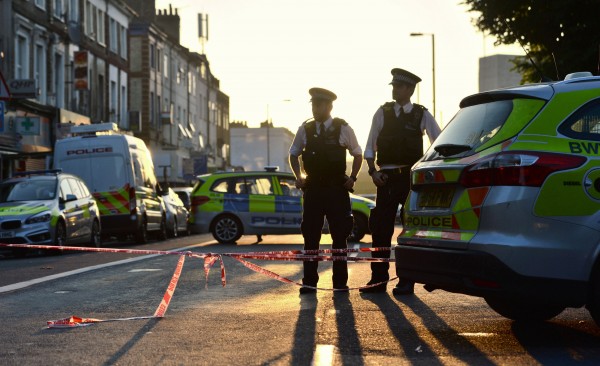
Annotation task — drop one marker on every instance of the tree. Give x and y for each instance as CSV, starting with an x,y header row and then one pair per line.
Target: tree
x,y
565,31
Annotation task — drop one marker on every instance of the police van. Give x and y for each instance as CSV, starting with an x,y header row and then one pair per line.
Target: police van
x,y
118,170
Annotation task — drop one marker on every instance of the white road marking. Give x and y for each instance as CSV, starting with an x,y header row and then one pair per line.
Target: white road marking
x,y
324,355
144,270
24,284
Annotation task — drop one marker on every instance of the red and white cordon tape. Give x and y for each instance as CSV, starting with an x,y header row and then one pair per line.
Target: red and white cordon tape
x,y
209,260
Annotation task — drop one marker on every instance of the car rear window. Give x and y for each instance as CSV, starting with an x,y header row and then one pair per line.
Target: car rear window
x,y
482,125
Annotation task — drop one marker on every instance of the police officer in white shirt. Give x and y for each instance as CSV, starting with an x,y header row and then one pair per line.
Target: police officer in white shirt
x,y
322,143
396,140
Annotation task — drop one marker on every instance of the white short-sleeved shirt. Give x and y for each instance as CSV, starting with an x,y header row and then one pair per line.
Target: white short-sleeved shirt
x,y
347,139
428,124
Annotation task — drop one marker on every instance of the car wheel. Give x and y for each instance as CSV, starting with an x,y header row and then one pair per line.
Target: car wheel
x,y
60,238
96,237
173,232
162,232
524,310
227,229
141,237
359,229
188,229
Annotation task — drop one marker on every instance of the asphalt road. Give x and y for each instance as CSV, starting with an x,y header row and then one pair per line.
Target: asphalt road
x,y
256,320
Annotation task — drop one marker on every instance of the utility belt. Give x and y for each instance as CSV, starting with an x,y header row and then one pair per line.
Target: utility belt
x,y
325,181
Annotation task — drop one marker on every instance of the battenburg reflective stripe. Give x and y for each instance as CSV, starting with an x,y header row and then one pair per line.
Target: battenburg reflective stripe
x,y
113,202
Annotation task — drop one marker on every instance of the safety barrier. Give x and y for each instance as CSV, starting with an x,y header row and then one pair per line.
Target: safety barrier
x,y
209,260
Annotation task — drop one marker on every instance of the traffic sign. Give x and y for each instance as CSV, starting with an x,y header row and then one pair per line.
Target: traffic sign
x,y
4,92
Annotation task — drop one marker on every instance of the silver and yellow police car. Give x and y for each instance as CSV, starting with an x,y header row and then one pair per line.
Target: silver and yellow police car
x,y
232,204
48,208
505,204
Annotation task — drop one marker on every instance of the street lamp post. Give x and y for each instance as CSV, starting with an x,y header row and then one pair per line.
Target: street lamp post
x,y
268,142
432,61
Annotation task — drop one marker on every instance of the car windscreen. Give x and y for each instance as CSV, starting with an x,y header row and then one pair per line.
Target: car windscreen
x,y
100,174
478,126
33,190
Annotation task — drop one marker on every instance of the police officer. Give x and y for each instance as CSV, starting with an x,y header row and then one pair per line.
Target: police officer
x,y
322,142
396,138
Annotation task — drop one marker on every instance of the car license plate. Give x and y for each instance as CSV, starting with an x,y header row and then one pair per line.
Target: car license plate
x,y
440,197
7,234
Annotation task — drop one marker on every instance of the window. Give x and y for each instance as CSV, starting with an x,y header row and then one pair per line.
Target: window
x,y
112,178
113,30
40,73
22,56
166,66
40,4
100,37
123,116
288,187
113,100
74,10
75,188
83,187
90,20
224,186
152,56
123,43
100,95
585,123
59,9
158,59
152,109
59,80
65,189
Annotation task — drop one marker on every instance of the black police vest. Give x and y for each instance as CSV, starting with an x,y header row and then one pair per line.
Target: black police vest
x,y
400,141
323,156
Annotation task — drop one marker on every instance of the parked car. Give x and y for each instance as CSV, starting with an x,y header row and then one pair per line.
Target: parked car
x,y
48,208
232,204
185,194
177,214
505,204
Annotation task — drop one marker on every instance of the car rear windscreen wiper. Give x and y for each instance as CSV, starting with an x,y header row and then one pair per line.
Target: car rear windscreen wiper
x,y
451,149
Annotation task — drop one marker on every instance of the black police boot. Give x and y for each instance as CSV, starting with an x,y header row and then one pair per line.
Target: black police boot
x,y
374,289
306,290
404,287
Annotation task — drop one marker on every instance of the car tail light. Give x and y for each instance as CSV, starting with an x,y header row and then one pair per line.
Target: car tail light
x,y
199,200
132,201
513,168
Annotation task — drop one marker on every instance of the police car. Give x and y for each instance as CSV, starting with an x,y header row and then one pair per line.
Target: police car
x,y
505,204
232,204
48,208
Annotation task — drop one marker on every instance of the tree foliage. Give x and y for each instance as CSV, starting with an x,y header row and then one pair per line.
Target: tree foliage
x,y
565,31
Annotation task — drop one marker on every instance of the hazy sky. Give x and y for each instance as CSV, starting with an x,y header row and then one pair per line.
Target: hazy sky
x,y
268,53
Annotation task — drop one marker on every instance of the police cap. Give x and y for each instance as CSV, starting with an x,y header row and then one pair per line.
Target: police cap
x,y
403,76
321,94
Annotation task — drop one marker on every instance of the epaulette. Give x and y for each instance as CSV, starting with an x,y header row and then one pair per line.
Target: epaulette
x,y
388,105
339,122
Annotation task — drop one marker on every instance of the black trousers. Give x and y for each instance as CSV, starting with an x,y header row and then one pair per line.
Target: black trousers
x,y
383,216
333,203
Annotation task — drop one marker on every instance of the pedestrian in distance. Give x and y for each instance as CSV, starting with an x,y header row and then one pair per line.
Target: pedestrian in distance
x,y
322,142
395,143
